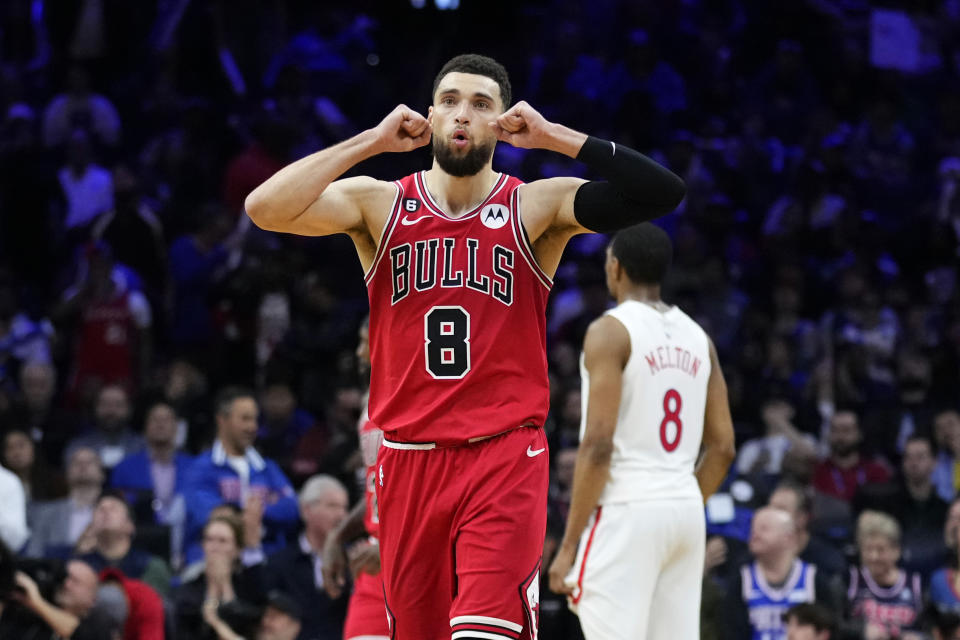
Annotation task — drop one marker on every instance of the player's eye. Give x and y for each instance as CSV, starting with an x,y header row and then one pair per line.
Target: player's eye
x,y
447,101
480,104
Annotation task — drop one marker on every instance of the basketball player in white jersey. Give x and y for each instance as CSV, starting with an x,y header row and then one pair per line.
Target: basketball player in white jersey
x,y
631,559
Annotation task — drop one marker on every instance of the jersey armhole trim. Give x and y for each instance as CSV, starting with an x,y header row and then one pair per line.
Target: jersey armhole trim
x,y
523,242
386,233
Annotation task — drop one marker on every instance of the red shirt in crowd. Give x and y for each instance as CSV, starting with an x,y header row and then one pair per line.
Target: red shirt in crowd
x,y
831,480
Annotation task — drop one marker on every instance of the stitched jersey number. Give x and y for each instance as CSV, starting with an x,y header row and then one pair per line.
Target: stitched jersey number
x,y
446,333
671,413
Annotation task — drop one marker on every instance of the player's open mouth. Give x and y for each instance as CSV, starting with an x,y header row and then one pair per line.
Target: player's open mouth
x,y
460,139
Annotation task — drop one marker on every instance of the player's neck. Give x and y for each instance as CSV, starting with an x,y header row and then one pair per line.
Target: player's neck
x,y
457,196
647,294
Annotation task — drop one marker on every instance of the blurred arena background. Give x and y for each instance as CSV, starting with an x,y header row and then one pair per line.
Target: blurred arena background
x,y
818,244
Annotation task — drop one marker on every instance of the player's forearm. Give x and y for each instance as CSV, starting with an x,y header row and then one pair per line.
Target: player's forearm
x,y
589,479
713,467
288,192
564,140
634,188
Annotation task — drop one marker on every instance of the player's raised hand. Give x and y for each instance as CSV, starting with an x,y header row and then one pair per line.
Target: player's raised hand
x,y
403,130
522,126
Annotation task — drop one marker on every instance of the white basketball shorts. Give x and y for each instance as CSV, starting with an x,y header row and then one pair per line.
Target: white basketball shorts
x,y
639,571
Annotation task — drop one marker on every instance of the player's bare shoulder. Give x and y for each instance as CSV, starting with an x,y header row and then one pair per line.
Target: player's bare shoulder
x,y
606,341
544,203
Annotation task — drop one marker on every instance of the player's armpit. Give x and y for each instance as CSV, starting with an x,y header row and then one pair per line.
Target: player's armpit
x,y
718,438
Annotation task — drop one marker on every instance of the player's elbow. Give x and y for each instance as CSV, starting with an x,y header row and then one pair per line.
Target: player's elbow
x,y
722,447
597,451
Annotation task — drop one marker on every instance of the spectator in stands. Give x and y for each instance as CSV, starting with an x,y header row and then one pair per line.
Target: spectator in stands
x,y
111,531
796,500
78,106
280,620
73,613
282,423
23,340
296,570
111,436
946,432
232,471
154,475
56,526
197,261
946,626
945,582
110,324
810,622
764,455
144,619
763,590
40,482
223,581
912,501
884,598
87,187
49,425
561,483
134,231
846,470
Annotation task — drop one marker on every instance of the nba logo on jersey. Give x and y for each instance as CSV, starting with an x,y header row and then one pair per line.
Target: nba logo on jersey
x,y
494,216
411,204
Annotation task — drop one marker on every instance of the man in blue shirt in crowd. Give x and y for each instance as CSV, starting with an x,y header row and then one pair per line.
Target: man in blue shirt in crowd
x,y
233,472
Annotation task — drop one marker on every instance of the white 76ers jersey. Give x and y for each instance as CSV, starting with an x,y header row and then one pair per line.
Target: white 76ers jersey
x,y
662,404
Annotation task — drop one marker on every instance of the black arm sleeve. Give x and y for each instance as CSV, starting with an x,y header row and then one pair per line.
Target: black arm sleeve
x,y
636,188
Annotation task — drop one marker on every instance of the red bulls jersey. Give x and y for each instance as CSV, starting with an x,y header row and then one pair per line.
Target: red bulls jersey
x,y
457,320
370,439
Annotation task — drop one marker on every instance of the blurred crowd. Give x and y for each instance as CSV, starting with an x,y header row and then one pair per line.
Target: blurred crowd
x,y
818,246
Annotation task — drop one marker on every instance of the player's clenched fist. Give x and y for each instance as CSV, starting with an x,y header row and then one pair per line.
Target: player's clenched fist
x,y
523,126
403,130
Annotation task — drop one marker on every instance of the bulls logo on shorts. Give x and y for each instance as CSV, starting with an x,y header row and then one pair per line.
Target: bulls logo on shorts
x,y
494,216
411,204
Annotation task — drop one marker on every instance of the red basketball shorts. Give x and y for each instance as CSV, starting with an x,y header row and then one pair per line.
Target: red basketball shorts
x,y
366,613
461,537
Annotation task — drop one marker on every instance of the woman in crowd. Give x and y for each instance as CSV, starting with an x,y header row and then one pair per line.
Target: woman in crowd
x,y
883,597
234,590
945,583
39,481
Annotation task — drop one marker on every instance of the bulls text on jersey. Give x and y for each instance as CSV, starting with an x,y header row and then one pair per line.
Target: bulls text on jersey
x,y
423,266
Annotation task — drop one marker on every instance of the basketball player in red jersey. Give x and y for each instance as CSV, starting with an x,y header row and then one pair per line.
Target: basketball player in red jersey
x,y
366,611
458,262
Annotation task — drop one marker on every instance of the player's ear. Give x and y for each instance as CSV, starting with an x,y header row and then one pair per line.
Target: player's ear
x,y
430,115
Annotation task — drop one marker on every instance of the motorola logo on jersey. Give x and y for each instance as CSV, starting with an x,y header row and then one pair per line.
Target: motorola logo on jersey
x,y
428,263
494,216
411,204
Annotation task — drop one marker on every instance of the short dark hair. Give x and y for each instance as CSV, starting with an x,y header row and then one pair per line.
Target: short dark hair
x,y
804,499
118,496
223,403
481,66
808,613
644,251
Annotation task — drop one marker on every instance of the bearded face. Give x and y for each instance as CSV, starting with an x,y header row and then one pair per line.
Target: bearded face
x,y
461,162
